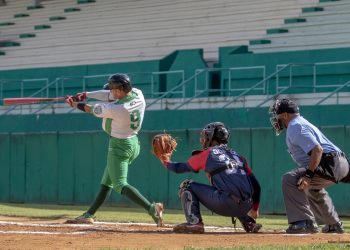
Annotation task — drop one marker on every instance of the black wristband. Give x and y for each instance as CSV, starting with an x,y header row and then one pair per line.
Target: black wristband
x,y
309,174
81,106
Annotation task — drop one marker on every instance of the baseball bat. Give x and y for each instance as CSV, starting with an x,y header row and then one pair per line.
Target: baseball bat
x,y
29,100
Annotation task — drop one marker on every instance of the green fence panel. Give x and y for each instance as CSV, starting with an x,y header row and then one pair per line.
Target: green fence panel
x,y
66,171
174,179
49,167
100,150
149,176
83,167
282,163
67,167
262,147
33,169
336,135
17,166
5,167
240,141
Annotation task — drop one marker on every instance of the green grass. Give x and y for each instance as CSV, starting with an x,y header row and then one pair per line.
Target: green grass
x,y
171,216
123,214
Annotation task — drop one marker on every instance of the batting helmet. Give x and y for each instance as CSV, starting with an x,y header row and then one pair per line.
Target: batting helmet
x,y
215,131
281,106
118,81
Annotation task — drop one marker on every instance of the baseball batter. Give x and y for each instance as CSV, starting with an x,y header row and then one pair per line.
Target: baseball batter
x,y
234,190
122,112
320,164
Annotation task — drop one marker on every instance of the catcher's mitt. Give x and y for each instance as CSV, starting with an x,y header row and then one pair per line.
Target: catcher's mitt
x,y
163,145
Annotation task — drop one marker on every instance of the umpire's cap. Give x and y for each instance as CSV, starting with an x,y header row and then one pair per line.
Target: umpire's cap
x,y
286,106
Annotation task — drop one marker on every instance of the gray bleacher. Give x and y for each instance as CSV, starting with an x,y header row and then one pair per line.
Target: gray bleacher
x,y
121,31
326,26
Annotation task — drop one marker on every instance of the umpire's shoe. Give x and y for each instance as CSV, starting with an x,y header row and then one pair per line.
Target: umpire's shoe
x,y
336,228
156,211
188,228
86,218
302,227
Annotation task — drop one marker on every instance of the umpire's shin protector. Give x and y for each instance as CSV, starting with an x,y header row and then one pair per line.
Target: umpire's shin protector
x,y
190,203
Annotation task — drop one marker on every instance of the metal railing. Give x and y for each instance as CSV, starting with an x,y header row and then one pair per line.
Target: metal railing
x,y
230,88
263,82
199,84
21,83
315,84
336,91
155,92
35,94
172,90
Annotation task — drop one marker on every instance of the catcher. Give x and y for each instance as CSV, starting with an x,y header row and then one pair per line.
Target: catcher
x,y
234,191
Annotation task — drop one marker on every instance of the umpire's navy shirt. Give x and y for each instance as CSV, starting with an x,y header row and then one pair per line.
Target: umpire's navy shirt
x,y
302,137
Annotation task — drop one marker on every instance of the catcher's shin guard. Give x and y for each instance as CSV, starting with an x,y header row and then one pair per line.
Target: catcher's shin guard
x,y
190,204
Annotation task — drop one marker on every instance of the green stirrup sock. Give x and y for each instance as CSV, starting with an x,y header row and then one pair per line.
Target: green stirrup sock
x,y
134,195
101,197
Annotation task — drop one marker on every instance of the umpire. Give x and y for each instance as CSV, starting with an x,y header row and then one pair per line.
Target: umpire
x,y
320,164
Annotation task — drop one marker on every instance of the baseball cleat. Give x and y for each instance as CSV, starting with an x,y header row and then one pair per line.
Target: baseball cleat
x,y
156,211
82,219
334,228
189,228
251,227
302,227
249,224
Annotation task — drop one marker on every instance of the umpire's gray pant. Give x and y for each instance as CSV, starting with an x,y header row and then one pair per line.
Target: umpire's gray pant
x,y
313,204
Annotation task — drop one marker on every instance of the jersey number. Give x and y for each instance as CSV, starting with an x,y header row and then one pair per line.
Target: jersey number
x,y
135,119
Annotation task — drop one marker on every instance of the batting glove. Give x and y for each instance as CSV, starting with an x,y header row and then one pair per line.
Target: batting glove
x,y
80,97
69,99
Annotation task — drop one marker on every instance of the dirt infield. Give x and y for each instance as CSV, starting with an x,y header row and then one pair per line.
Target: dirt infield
x,y
24,233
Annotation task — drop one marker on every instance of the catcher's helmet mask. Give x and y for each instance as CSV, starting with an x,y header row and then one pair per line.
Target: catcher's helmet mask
x,y
118,81
281,106
215,131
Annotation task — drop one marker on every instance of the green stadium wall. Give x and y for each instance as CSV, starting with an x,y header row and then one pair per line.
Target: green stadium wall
x,y
44,158
140,73
302,75
60,158
189,61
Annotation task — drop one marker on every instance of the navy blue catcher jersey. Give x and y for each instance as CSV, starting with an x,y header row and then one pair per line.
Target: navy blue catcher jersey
x,y
226,169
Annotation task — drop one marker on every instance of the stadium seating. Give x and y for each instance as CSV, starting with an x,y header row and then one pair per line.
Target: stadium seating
x,y
323,26
68,33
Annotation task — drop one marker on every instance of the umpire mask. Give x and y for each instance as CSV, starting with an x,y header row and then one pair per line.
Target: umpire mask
x,y
215,131
281,106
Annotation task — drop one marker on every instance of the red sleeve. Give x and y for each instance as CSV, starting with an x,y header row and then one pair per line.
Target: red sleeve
x,y
255,183
246,166
198,161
